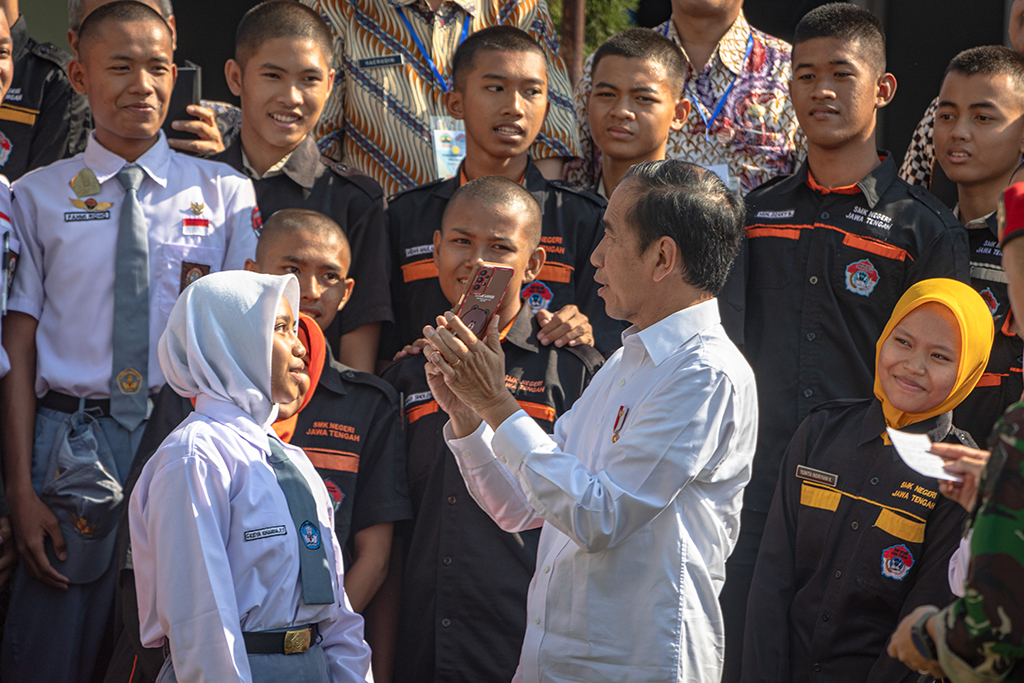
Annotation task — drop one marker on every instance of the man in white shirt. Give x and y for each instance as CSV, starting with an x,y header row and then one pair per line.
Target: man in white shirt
x,y
639,489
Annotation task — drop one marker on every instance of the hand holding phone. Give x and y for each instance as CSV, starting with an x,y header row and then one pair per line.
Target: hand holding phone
x,y
482,296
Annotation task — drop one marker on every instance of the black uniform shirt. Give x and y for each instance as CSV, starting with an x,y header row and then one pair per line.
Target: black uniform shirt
x,y
571,231
463,613
855,541
42,118
825,272
1002,384
355,201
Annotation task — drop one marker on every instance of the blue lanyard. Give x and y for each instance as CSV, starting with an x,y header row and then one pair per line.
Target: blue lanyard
x,y
721,102
423,50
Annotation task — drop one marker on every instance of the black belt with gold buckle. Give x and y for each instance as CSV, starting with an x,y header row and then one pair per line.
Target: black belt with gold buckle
x,y
292,642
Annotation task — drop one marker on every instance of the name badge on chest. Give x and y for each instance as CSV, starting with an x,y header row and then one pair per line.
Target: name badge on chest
x,y
811,474
381,61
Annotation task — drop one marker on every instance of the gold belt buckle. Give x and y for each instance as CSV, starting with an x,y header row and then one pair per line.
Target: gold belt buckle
x,y
297,642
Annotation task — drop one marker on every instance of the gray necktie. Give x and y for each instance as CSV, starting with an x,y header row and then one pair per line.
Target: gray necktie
x,y
313,568
129,382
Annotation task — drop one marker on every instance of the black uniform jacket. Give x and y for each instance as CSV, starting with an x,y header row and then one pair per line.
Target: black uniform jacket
x,y
463,611
355,201
826,269
350,431
855,541
42,118
1002,383
571,231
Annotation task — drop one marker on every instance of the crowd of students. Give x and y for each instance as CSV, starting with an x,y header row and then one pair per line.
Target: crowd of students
x,y
195,349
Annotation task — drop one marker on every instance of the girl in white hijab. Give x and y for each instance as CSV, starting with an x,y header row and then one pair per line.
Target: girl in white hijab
x,y
217,547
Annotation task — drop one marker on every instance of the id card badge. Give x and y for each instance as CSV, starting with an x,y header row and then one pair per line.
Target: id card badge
x,y
722,171
449,138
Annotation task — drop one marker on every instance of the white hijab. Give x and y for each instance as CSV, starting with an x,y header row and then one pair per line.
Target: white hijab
x,y
219,337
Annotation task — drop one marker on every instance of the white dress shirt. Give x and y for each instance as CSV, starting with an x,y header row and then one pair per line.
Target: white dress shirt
x,y
5,228
200,218
215,551
637,529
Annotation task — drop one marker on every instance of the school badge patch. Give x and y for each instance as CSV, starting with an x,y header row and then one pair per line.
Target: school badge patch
x,y
990,300
896,562
129,381
336,495
257,221
190,272
310,535
5,149
537,296
861,277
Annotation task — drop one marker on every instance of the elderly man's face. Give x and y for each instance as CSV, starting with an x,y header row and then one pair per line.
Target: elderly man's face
x,y
621,268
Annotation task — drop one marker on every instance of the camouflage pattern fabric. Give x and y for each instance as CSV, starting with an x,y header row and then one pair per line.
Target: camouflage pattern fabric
x,y
979,637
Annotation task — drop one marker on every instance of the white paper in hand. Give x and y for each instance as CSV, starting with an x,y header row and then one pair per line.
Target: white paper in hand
x,y
913,449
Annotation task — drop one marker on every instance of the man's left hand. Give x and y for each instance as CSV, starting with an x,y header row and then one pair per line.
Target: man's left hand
x,y
567,326
209,142
901,645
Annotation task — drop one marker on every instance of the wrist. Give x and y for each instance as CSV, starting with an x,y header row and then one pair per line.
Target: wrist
x,y
499,408
923,637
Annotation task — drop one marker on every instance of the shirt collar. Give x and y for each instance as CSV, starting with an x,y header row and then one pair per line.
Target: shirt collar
x,y
731,48
330,378
468,5
600,190
19,38
937,428
988,221
274,170
872,186
232,416
665,336
523,332
105,164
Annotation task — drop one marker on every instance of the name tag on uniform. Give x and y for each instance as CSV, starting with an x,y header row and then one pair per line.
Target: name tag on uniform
x,y
265,532
383,60
804,472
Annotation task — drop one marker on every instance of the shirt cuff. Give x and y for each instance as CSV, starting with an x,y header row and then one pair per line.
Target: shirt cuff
x,y
473,450
955,668
517,437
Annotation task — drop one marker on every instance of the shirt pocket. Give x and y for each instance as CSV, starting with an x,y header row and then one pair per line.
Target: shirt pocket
x,y
178,265
869,273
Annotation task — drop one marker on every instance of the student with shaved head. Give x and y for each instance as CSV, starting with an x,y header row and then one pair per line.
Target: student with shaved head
x,y
108,240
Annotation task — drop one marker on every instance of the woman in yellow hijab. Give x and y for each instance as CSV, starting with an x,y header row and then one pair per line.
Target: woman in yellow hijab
x,y
855,539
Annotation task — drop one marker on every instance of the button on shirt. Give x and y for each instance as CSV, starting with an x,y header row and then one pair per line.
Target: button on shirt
x,y
232,565
757,131
200,217
636,530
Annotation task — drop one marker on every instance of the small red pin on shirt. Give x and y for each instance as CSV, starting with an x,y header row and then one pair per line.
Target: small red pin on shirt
x,y
620,421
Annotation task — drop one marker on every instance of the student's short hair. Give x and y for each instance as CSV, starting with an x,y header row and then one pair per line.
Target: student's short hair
x,y
496,190
289,222
845,21
121,11
496,38
694,208
281,19
990,60
76,7
643,43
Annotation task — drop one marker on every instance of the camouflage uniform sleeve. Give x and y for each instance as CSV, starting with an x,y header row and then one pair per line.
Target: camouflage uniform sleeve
x,y
979,637
920,156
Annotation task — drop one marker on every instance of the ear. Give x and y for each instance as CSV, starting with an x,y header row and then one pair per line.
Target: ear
x,y
76,75
453,102
73,42
886,90
682,113
666,260
349,285
330,81
536,263
173,23
251,266
233,75
437,245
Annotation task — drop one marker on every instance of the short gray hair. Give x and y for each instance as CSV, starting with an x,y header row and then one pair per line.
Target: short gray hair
x,y
75,17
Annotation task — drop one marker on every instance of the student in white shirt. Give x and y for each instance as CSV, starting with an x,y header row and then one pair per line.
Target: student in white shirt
x,y
65,327
215,542
639,489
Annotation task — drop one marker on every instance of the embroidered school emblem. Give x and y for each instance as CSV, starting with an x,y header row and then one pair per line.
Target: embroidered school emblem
x,y
861,277
310,535
83,526
990,300
90,204
5,149
129,381
190,272
257,221
336,495
896,562
537,296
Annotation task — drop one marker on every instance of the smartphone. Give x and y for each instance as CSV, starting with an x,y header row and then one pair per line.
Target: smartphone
x,y
188,89
483,294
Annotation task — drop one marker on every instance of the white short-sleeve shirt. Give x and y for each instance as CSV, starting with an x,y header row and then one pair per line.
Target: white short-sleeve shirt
x,y
5,229
202,219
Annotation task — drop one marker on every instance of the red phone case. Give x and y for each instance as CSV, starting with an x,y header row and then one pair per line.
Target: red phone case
x,y
483,295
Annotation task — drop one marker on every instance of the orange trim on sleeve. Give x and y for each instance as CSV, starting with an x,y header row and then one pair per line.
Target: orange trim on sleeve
x,y
538,411
556,272
327,459
991,379
428,408
419,270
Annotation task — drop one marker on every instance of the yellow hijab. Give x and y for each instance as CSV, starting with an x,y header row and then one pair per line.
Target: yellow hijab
x,y
976,334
